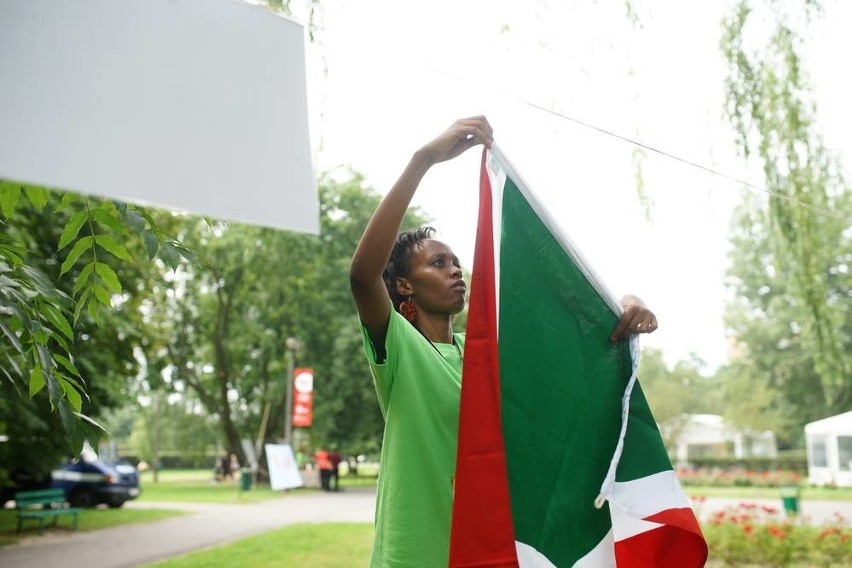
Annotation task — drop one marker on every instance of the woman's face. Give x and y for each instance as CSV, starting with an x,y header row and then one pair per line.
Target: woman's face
x,y
435,278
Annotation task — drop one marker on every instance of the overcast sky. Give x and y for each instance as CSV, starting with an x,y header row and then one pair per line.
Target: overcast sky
x,y
389,75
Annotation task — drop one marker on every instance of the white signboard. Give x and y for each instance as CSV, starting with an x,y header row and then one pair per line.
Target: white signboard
x,y
283,470
197,105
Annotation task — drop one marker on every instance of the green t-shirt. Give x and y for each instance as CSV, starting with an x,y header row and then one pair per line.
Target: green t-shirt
x,y
418,390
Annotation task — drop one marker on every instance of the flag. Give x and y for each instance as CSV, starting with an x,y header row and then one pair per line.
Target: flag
x,y
560,462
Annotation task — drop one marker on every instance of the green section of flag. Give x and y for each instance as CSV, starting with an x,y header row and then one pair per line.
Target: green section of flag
x,y
561,382
644,452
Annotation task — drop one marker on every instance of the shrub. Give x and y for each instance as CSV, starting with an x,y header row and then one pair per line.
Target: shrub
x,y
751,534
788,461
718,477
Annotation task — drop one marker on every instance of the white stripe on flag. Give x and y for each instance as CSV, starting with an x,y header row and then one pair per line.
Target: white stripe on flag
x,y
497,177
624,526
641,498
529,557
601,556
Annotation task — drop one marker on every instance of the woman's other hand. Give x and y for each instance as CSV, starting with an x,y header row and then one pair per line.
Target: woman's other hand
x,y
637,318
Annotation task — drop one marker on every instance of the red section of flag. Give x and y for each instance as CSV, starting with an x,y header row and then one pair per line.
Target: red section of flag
x,y
677,544
683,518
482,531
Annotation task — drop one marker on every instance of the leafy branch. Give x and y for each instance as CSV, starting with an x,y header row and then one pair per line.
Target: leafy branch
x,y
37,318
767,103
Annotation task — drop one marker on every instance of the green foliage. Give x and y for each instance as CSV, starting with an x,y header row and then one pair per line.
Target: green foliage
x,y
63,258
37,337
799,287
737,473
181,426
773,381
219,329
674,394
28,423
790,460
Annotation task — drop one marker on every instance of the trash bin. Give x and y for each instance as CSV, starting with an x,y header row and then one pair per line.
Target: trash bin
x,y
245,479
790,498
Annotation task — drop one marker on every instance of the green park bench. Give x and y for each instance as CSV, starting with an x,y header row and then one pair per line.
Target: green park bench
x,y
43,504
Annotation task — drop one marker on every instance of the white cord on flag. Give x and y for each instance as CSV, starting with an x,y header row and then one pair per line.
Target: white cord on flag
x,y
609,480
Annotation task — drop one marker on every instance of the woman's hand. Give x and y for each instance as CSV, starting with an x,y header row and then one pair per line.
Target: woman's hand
x,y
637,318
464,134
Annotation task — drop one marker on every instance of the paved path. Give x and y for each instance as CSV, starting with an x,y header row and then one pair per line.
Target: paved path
x,y
206,525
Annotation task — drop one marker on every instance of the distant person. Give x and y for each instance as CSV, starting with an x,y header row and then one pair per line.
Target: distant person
x,y
223,468
335,470
352,462
233,465
325,468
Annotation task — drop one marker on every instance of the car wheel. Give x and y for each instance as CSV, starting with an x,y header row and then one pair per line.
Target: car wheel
x,y
115,503
83,498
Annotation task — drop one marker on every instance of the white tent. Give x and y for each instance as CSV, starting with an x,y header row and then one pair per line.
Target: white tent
x,y
829,443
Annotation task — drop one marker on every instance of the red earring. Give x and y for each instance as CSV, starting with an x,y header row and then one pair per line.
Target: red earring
x,y
408,309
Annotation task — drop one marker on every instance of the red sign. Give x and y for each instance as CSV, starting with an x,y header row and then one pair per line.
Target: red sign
x,y
303,397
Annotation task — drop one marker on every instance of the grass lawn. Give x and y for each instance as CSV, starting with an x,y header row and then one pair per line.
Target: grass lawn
x,y
352,481
90,520
196,486
318,546
808,493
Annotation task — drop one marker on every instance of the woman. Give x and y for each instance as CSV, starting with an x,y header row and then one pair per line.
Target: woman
x,y
407,288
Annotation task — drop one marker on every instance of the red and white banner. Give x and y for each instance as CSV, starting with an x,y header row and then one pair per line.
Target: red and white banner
x,y
303,397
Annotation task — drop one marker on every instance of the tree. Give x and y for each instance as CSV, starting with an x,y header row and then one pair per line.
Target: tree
x,y
181,425
806,216
222,324
674,394
773,382
84,368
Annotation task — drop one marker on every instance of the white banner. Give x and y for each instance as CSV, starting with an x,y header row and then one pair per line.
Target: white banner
x,y
283,470
198,105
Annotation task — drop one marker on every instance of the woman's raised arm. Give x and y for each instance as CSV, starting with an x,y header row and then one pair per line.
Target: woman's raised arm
x,y
374,248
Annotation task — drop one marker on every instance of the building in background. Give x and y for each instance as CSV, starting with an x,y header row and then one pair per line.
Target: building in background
x,y
829,444
693,436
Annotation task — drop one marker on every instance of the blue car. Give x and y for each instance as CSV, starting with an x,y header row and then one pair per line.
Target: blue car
x,y
91,483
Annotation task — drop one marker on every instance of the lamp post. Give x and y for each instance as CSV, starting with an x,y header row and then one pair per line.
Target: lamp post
x,y
292,345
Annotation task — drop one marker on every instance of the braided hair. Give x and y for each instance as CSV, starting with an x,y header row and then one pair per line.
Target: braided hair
x,y
399,263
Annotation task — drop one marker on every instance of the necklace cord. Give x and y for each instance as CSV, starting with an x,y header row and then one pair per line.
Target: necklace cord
x,y
438,351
